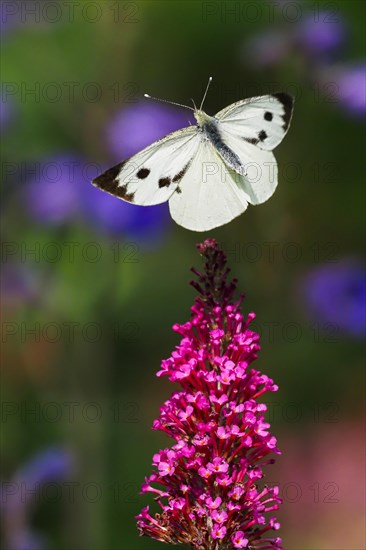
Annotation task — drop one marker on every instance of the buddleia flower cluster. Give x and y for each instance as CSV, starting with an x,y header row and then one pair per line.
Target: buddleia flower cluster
x,y
209,485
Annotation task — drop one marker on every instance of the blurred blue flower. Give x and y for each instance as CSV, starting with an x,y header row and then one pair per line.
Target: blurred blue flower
x,y
351,82
336,293
321,35
51,196
52,465
138,125
61,191
144,223
315,35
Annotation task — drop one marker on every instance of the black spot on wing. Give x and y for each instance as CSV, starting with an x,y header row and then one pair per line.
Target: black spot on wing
x,y
143,173
108,182
287,103
268,116
164,182
262,135
253,141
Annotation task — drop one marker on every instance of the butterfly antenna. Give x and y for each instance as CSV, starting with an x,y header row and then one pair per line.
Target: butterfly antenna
x,y
204,95
194,105
166,101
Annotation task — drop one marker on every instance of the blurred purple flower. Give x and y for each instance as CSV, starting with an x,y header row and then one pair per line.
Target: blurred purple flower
x,y
144,223
138,125
348,85
61,191
351,83
49,466
51,197
336,293
317,37
321,35
53,464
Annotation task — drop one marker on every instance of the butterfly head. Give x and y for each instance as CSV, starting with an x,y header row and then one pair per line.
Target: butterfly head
x,y
201,117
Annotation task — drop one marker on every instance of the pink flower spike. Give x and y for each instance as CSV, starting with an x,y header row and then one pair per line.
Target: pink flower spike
x,y
208,490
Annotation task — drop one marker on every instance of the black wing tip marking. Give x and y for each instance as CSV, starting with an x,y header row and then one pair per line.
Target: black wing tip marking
x,y
104,180
288,103
108,182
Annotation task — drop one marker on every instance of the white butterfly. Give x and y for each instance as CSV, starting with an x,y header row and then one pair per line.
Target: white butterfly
x,y
211,171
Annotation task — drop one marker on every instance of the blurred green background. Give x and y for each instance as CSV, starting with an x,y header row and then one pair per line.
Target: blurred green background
x,y
92,286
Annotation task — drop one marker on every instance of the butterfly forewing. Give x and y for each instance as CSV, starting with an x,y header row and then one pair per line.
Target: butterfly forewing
x,y
262,121
153,175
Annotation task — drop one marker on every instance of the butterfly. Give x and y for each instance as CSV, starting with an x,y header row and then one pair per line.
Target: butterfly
x,y
210,171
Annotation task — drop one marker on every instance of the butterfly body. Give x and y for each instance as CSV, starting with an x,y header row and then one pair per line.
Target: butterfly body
x,y
208,172
210,128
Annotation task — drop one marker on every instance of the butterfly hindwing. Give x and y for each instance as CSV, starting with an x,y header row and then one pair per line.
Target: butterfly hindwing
x,y
262,121
155,173
211,194
260,178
